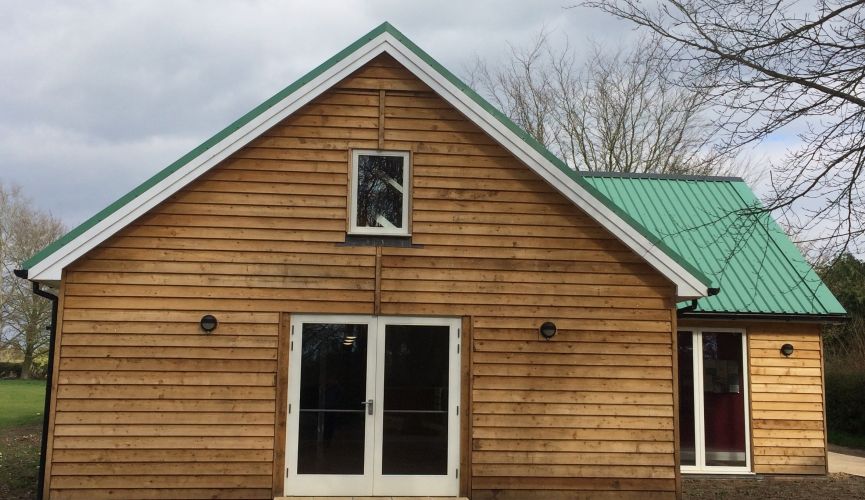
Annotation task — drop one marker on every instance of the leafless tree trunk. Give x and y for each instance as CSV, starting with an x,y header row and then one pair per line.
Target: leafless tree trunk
x,y
24,316
767,65
617,111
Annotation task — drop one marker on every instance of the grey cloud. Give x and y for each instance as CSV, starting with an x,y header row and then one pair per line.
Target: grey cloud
x,y
98,96
74,176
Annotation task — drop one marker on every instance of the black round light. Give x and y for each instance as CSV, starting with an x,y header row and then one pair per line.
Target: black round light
x,y
548,330
208,323
787,350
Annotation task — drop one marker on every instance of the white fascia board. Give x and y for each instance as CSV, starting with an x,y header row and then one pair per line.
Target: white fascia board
x,y
50,269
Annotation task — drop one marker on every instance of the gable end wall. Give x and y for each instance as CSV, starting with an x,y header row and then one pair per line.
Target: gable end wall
x,y
148,406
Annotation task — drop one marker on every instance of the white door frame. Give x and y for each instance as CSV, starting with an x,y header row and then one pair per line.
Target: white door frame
x,y
699,416
372,481
408,485
324,484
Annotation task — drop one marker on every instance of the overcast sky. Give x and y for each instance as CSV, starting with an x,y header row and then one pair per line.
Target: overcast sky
x,y
96,97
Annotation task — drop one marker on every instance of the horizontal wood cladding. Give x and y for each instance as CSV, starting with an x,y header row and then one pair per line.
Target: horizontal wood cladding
x,y
587,412
143,394
152,408
787,405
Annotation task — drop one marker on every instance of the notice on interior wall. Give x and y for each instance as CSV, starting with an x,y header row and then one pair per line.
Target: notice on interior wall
x,y
720,376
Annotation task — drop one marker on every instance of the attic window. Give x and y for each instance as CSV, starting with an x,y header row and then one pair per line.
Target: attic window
x,y
379,192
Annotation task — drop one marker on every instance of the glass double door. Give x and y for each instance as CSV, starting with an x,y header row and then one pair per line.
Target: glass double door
x,y
373,406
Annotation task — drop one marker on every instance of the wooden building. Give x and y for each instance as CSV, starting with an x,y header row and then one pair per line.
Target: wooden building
x,y
376,284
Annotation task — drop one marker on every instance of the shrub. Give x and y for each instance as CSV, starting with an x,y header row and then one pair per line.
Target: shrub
x,y
10,370
38,370
845,404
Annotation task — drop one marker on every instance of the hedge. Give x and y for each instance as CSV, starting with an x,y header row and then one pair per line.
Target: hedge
x,y
845,400
10,370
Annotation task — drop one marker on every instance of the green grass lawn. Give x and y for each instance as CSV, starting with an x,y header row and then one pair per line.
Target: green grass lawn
x,y
20,428
21,402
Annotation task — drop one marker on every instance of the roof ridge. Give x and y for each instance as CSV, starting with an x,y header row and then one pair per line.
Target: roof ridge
x,y
670,177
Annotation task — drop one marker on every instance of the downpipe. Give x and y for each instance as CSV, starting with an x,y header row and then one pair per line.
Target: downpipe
x,y
49,376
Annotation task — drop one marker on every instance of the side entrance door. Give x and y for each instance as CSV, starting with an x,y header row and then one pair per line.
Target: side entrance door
x,y
714,434
373,406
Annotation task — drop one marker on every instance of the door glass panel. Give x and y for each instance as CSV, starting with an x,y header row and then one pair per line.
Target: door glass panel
x,y
686,399
723,399
415,430
332,386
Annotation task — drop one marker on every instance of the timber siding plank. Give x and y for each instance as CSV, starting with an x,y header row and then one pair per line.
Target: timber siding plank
x,y
142,392
787,394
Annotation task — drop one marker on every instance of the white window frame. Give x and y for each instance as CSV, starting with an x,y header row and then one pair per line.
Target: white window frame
x,y
699,416
353,184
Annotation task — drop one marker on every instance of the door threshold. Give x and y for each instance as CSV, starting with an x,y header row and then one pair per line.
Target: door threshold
x,y
369,498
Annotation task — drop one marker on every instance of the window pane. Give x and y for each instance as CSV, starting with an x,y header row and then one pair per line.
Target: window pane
x,y
380,191
332,387
686,399
333,367
723,399
415,443
331,442
415,434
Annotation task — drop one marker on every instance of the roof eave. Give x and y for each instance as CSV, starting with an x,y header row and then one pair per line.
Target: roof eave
x,y
824,318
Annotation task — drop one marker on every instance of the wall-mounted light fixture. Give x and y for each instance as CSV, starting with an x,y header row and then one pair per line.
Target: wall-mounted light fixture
x,y
787,350
547,330
208,323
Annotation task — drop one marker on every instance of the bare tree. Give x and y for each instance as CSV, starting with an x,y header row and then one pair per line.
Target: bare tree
x,y
24,316
770,65
617,111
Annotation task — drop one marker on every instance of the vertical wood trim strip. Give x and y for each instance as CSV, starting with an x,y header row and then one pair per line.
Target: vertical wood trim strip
x,y
377,305
750,415
677,452
465,407
410,191
281,415
348,195
55,377
823,392
381,101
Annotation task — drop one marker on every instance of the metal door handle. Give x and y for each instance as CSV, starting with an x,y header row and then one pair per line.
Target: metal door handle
x,y
368,405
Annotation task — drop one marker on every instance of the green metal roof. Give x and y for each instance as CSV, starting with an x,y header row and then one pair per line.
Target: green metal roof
x,y
765,274
712,222
258,110
755,264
